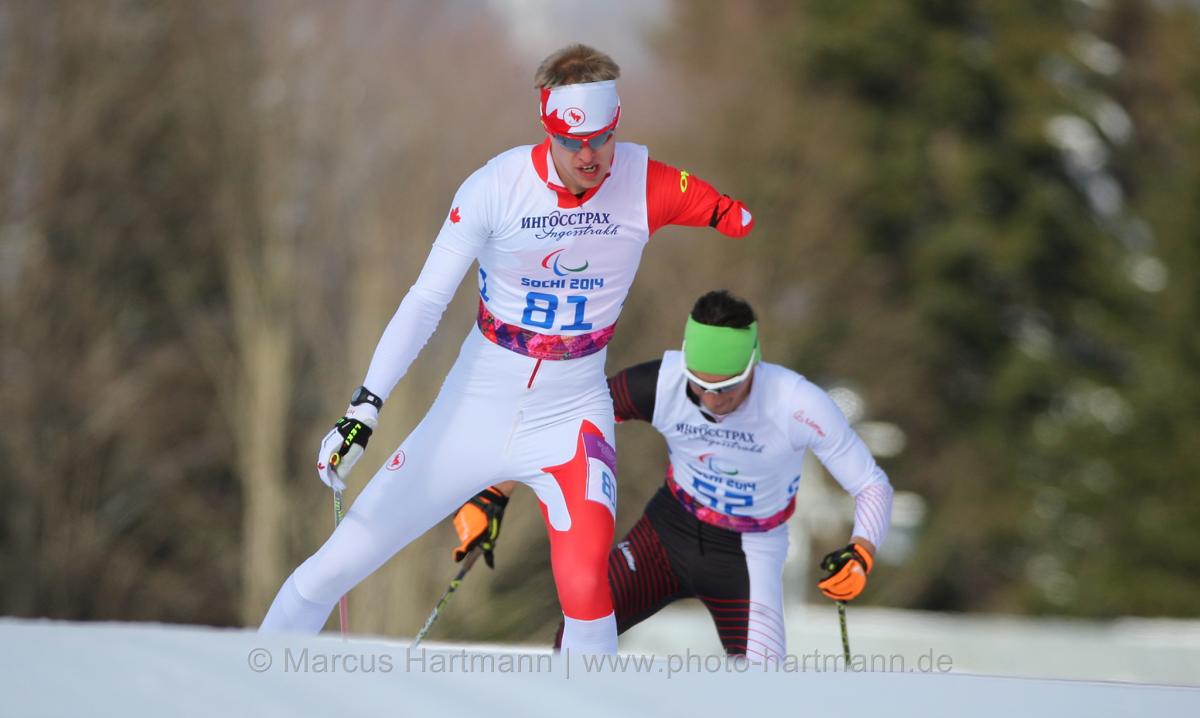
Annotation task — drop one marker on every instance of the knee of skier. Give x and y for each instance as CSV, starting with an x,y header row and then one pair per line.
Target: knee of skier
x,y
585,595
322,581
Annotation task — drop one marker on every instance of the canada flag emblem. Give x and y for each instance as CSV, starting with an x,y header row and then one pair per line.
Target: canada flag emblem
x,y
455,217
574,117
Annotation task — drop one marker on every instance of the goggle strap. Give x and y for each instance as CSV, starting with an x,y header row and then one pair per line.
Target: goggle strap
x,y
717,386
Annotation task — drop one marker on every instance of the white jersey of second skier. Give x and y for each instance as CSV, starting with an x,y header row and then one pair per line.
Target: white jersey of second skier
x,y
745,469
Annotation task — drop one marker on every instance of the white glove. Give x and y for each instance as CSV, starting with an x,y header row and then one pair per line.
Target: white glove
x,y
344,444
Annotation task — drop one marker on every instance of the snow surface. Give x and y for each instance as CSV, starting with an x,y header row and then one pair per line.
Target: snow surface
x,y
50,668
1128,650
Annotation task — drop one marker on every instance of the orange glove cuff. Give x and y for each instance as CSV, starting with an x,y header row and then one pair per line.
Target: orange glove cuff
x,y
477,523
470,523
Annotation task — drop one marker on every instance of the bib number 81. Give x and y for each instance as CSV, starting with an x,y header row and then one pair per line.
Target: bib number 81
x,y
540,310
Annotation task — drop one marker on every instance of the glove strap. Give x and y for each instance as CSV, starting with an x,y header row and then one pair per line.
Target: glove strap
x,y
863,557
857,553
491,496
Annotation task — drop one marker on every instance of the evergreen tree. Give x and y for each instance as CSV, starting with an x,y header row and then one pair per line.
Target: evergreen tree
x,y
976,281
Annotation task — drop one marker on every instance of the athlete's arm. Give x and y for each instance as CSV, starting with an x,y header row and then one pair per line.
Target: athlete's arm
x,y
818,423
633,391
463,234
418,315
674,196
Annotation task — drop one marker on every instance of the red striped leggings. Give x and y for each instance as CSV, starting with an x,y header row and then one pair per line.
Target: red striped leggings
x,y
669,554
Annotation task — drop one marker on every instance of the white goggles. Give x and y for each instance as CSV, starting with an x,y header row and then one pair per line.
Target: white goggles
x,y
720,387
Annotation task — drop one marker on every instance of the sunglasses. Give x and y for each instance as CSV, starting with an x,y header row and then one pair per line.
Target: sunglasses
x,y
575,143
720,387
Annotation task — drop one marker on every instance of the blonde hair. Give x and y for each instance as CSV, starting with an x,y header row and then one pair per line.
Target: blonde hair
x,y
575,64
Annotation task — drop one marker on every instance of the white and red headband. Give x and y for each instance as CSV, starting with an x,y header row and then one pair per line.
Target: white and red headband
x,y
580,109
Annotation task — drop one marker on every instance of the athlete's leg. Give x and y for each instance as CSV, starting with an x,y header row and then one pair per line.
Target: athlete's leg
x,y
396,506
640,577
740,581
452,454
765,553
578,503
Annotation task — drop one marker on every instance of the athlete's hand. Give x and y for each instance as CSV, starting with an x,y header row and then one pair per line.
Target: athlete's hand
x,y
344,444
478,524
846,572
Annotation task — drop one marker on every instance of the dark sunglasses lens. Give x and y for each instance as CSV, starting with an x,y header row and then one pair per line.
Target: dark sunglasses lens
x,y
701,390
569,143
572,144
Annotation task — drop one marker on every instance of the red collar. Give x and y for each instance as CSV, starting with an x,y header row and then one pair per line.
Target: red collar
x,y
566,198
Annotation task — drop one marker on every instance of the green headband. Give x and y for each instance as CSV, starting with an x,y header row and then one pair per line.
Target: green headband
x,y
719,350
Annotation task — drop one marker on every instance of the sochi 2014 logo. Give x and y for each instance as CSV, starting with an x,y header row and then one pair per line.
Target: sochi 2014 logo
x,y
709,460
558,269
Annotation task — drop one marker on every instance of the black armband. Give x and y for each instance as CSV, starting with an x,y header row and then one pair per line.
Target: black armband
x,y
363,395
718,214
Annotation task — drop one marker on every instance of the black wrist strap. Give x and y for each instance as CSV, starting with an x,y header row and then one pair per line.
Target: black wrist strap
x,y
363,395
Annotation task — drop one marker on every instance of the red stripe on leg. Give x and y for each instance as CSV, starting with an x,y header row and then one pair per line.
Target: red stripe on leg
x,y
579,555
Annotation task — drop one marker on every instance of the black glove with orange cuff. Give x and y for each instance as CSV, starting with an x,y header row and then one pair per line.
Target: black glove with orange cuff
x,y
478,524
845,572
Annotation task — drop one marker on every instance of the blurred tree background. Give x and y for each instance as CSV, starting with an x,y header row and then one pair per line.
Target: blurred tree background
x,y
984,216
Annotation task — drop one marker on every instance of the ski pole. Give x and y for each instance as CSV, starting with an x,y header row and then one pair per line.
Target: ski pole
x,y
468,562
343,604
845,636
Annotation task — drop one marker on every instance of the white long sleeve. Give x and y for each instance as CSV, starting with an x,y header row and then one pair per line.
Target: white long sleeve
x,y
873,512
847,458
415,319
458,244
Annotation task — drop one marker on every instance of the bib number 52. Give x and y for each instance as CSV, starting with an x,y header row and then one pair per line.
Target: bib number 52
x,y
722,499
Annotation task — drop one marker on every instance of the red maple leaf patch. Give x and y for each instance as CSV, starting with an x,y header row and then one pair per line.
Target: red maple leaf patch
x,y
455,217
